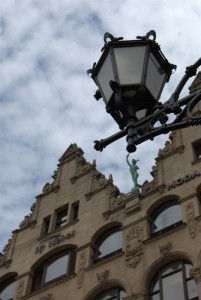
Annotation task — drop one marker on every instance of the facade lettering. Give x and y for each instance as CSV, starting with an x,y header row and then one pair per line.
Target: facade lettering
x,y
54,240
182,180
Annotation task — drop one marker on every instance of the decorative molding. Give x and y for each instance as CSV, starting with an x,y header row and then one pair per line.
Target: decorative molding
x,y
80,274
139,296
6,256
98,184
72,153
148,187
47,297
134,247
174,145
165,249
195,273
30,220
19,289
103,276
191,221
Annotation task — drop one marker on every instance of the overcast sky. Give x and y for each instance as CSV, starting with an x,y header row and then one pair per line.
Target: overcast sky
x,y
46,98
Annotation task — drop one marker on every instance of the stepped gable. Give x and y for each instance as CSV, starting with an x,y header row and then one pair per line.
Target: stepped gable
x,y
173,146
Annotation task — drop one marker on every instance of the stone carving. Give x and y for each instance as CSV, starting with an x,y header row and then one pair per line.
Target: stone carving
x,y
54,186
195,273
83,168
19,290
173,145
80,274
191,221
103,276
98,183
151,186
5,257
29,220
47,297
165,249
134,246
1,258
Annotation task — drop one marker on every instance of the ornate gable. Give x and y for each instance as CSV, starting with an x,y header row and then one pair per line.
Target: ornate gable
x,y
71,153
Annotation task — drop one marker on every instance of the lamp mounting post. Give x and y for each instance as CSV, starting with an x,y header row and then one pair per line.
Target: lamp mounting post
x,y
130,76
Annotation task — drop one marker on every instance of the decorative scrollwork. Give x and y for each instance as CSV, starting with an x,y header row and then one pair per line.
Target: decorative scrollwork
x,y
107,36
147,36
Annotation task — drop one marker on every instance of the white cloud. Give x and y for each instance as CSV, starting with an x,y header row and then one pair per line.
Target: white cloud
x,y
46,98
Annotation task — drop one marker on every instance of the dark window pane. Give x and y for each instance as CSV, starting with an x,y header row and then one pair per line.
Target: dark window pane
x,y
57,268
111,244
192,289
197,150
75,208
167,216
8,292
61,218
38,279
173,288
154,285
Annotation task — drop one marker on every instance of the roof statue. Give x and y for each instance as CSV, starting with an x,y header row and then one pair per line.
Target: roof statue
x,y
134,173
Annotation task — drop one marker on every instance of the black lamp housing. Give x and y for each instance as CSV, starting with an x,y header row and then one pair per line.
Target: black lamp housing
x,y
130,76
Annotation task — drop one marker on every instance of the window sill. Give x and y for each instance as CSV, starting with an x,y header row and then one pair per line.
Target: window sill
x,y
105,259
57,230
165,232
196,161
53,283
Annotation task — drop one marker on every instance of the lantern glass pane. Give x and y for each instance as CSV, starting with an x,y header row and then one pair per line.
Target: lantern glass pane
x,y
155,77
141,113
130,62
103,78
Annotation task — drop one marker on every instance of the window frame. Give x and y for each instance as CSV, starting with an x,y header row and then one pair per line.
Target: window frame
x,y
103,237
158,277
196,145
160,209
41,272
59,223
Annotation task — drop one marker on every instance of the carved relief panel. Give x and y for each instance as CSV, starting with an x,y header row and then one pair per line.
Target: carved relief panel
x,y
134,246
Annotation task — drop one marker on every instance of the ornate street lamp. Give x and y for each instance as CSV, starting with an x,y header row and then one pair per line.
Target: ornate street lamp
x,y
130,76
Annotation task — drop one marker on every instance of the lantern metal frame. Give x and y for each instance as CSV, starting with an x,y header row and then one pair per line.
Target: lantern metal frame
x,y
124,111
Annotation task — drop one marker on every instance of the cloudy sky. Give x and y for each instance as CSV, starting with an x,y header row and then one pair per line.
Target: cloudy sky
x,y
46,98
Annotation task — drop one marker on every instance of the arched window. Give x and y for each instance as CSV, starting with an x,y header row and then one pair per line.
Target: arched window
x,y
166,216
173,282
112,294
108,243
7,289
56,267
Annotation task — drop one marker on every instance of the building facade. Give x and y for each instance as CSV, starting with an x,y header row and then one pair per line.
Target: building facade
x,y
84,240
